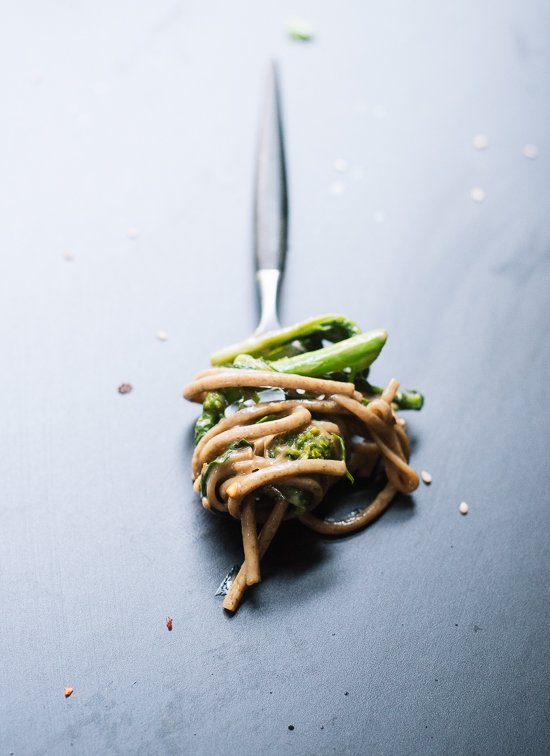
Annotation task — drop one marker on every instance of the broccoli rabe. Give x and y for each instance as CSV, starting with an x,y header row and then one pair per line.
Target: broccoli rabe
x,y
351,355
310,443
213,407
301,337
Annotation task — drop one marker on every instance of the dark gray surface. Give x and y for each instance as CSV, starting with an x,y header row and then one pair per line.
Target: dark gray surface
x,y
144,114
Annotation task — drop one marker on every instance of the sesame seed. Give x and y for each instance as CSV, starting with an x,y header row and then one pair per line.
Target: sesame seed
x,y
463,508
162,335
337,188
480,142
426,477
340,165
133,233
530,151
477,194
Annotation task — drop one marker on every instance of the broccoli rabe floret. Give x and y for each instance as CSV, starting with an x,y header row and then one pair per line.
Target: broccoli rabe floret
x,y
213,407
311,443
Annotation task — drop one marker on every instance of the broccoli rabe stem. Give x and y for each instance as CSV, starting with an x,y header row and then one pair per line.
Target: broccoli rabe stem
x,y
352,355
330,327
405,399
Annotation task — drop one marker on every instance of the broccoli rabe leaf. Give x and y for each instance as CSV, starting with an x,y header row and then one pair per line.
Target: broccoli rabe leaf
x,y
298,499
220,460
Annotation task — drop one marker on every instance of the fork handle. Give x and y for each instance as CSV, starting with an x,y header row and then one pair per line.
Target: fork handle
x,y
270,206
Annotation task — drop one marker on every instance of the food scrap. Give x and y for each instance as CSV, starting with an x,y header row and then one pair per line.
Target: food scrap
x,y
340,165
477,194
530,151
337,188
169,623
463,508
125,388
162,335
68,692
426,477
480,142
300,30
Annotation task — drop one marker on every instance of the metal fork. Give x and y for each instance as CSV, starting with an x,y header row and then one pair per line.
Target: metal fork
x,y
270,206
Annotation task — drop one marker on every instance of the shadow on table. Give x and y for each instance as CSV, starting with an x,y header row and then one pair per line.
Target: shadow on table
x,y
297,552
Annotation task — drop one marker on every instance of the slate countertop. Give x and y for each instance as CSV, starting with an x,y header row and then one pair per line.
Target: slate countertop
x,y
126,155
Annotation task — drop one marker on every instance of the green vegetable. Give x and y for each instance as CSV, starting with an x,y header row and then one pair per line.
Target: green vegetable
x,y
342,447
310,443
297,498
405,399
213,407
220,460
351,355
303,336
300,30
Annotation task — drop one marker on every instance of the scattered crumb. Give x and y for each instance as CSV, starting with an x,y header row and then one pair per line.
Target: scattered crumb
x,y
426,477
477,628
125,388
477,194
169,623
322,727
68,255
379,216
300,30
463,508
291,727
346,693
68,692
379,111
162,335
340,165
530,151
480,142
337,188
133,233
